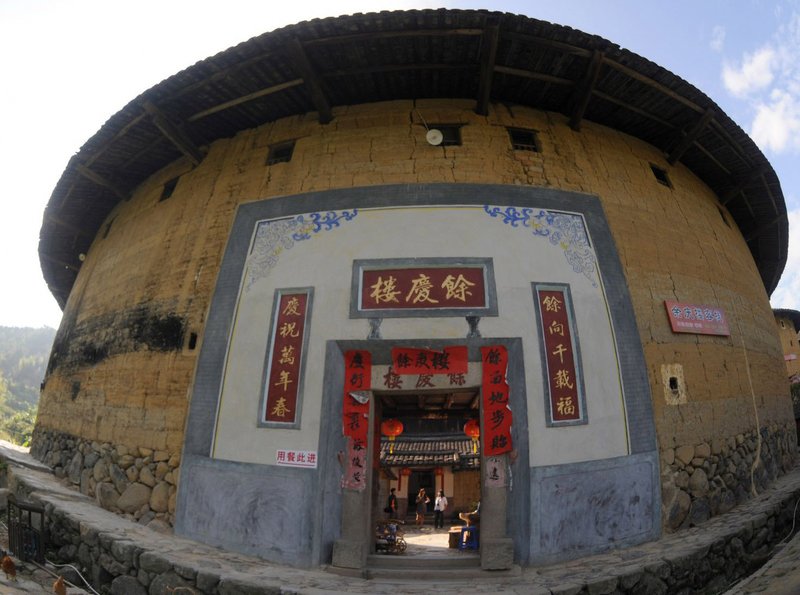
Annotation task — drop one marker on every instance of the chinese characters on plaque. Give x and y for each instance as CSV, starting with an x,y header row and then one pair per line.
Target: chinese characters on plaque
x,y
699,320
355,417
497,416
283,378
564,385
461,287
423,287
451,360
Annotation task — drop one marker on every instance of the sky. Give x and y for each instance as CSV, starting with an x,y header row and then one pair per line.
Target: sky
x,y
68,65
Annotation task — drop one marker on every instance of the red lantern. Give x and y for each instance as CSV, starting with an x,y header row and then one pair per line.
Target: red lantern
x,y
473,429
391,428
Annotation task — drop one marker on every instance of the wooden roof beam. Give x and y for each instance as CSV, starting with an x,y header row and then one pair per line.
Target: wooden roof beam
x,y
689,138
491,36
534,75
763,227
245,98
744,183
174,134
100,180
312,80
583,92
61,263
655,85
66,225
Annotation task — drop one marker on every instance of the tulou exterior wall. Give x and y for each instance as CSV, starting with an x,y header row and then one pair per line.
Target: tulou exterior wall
x,y
124,358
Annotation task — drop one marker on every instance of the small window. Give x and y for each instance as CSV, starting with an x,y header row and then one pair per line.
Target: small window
x,y
523,140
661,175
280,153
783,324
108,229
169,188
451,134
724,216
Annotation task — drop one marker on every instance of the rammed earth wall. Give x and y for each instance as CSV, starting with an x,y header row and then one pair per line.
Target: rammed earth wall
x,y
126,351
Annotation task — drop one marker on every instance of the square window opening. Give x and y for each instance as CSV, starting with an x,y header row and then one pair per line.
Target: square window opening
x,y
524,140
661,176
451,134
168,189
280,153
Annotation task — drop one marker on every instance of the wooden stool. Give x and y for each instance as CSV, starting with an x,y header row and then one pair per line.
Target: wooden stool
x,y
453,536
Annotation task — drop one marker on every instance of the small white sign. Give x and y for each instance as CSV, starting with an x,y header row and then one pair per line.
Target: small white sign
x,y
296,458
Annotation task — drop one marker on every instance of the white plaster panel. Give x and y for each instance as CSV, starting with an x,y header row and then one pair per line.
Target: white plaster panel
x,y
325,262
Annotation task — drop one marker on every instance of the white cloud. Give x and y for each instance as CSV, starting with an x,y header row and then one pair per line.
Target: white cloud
x,y
717,38
755,72
787,294
776,125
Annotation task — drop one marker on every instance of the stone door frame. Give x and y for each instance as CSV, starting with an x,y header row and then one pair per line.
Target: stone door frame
x,y
499,507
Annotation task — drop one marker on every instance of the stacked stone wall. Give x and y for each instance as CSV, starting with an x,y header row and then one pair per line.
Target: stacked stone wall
x,y
706,479
156,261
137,482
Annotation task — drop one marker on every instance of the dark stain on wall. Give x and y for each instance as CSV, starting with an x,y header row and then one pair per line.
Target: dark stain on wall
x,y
143,328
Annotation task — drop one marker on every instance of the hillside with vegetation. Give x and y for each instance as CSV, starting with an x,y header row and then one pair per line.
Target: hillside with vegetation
x,y
23,359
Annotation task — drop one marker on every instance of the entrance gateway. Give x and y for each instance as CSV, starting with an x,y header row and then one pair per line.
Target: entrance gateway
x,y
468,381
526,294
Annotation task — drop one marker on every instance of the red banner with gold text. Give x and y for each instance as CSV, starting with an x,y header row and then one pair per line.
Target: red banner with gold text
x,y
497,417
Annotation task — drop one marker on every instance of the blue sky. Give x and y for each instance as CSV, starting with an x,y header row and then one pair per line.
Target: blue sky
x,y
68,66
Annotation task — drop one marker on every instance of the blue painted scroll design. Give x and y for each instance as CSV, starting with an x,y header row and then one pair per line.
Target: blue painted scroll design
x,y
272,238
564,230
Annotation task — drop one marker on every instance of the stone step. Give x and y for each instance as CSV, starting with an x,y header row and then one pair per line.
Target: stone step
x,y
392,561
434,572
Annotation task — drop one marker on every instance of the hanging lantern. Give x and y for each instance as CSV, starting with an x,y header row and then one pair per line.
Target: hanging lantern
x,y
391,428
473,429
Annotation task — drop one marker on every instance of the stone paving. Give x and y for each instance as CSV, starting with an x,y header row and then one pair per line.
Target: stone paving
x,y
620,571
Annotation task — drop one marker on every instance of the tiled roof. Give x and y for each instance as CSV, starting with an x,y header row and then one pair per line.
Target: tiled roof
x,y
421,451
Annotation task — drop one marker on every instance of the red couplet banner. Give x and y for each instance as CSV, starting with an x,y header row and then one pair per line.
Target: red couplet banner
x,y
287,349
559,350
355,417
497,416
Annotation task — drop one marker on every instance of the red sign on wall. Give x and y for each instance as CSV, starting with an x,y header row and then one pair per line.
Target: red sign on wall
x,y
283,379
451,360
423,288
695,319
355,417
559,346
497,417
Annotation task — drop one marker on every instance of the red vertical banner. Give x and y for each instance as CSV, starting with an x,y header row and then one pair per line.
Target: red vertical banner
x,y
497,417
559,345
355,416
283,379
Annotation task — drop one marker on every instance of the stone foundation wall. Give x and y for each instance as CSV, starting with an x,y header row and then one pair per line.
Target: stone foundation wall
x,y
139,483
704,480
709,561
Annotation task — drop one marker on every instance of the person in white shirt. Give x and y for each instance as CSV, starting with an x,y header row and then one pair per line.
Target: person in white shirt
x,y
438,510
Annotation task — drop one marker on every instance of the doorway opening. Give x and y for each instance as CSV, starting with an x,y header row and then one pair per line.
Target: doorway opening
x,y
432,453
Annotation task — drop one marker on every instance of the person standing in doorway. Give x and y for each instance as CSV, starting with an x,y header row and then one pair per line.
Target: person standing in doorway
x,y
422,506
439,506
391,505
